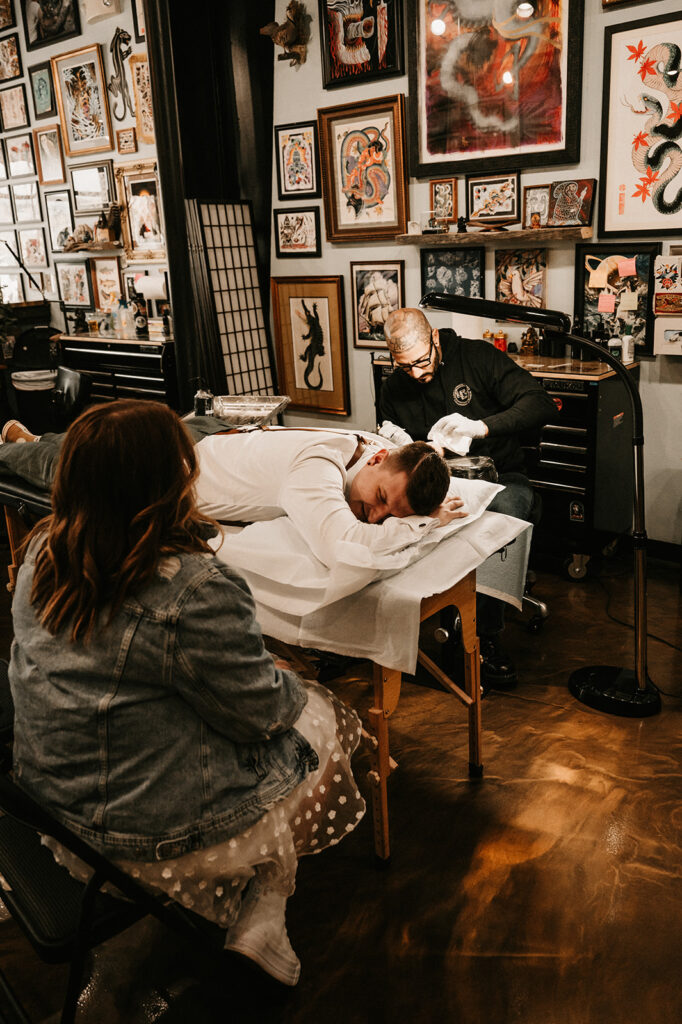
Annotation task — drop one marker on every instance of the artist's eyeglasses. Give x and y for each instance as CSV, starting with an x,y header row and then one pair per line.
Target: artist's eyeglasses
x,y
418,364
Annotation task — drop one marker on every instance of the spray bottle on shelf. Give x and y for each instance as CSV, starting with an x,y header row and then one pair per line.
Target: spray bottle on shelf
x,y
203,399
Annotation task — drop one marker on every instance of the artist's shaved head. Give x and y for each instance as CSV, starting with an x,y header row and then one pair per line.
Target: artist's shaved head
x,y
405,328
414,347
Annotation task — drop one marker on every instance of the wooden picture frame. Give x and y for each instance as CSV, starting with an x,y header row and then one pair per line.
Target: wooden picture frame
x,y
493,198
20,157
11,288
357,138
59,215
376,43
126,140
93,185
50,26
142,89
42,90
74,285
137,185
535,206
33,248
3,162
521,276
8,17
485,111
82,99
638,194
6,208
443,199
14,108
589,259
459,270
10,58
377,289
297,159
26,199
8,237
49,155
297,232
310,343
138,21
107,284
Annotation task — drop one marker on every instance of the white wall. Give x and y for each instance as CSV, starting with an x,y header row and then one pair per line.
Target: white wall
x,y
297,96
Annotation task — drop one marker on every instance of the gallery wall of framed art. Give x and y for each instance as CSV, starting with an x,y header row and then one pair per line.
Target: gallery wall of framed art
x,y
75,104
517,101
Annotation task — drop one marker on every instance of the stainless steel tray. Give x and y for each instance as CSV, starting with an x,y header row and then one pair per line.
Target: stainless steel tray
x,y
249,410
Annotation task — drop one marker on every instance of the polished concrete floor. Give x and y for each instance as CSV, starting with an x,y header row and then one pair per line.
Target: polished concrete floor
x,y
549,892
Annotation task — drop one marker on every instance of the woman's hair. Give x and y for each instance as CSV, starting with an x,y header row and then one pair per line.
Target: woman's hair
x,y
123,498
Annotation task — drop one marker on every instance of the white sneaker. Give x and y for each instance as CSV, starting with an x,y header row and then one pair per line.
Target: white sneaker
x,y
260,933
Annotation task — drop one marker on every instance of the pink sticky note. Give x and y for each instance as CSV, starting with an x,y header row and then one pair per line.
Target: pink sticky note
x,y
627,268
607,302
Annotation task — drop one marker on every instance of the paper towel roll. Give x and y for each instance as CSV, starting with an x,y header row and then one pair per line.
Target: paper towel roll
x,y
152,286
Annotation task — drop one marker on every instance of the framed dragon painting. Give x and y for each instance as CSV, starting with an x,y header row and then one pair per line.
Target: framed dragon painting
x,y
363,170
641,154
494,83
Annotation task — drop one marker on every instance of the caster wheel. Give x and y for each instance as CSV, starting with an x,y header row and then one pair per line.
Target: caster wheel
x,y
536,624
576,567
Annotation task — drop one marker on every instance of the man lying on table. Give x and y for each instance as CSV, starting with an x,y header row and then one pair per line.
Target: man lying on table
x,y
333,486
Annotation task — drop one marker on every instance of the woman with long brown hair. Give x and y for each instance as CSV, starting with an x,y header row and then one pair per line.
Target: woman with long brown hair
x,y
149,716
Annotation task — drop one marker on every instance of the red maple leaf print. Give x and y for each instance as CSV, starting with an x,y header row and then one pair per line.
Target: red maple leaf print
x,y
641,190
647,67
675,110
636,51
640,139
650,177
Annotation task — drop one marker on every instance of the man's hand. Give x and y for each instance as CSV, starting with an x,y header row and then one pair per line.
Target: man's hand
x,y
455,432
448,511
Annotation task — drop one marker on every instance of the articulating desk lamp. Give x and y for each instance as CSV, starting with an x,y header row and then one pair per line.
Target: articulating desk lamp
x,y
620,691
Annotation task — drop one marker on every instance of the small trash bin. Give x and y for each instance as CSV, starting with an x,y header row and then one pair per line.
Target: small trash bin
x,y
33,374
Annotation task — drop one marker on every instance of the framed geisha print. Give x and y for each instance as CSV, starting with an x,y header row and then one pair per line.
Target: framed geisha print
x,y
360,41
640,188
297,159
137,185
82,100
503,91
310,343
363,170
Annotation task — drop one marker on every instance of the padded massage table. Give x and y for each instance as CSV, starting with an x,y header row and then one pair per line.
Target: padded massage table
x,y
445,577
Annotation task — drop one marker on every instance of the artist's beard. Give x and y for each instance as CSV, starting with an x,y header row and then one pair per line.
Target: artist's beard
x,y
426,378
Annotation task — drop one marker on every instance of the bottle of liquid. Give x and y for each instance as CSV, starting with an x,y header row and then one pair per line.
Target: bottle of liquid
x,y
203,400
126,320
501,340
488,336
628,354
615,346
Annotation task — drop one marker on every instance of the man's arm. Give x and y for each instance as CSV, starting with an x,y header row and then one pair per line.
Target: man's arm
x,y
525,405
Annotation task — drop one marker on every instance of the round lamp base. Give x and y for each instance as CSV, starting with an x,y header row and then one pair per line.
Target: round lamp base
x,y
615,690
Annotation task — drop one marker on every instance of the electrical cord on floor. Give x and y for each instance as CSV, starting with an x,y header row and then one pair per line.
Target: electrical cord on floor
x,y
630,625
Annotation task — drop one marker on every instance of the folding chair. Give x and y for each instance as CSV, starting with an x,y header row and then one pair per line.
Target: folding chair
x,y
62,918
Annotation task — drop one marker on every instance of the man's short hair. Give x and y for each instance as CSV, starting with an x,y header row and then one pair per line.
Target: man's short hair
x,y
428,475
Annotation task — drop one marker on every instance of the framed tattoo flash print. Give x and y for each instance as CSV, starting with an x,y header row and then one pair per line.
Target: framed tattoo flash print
x,y
641,155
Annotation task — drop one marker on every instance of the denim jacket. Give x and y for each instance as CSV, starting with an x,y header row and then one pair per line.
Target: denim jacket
x,y
171,729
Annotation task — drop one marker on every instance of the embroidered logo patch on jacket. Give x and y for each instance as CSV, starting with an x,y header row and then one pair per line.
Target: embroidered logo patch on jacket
x,y
462,394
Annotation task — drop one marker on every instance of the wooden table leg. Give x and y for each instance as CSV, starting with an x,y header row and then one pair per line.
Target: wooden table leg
x,y
472,674
386,694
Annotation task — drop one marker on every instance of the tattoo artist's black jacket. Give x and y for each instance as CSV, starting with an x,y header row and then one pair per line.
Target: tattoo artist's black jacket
x,y
477,381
